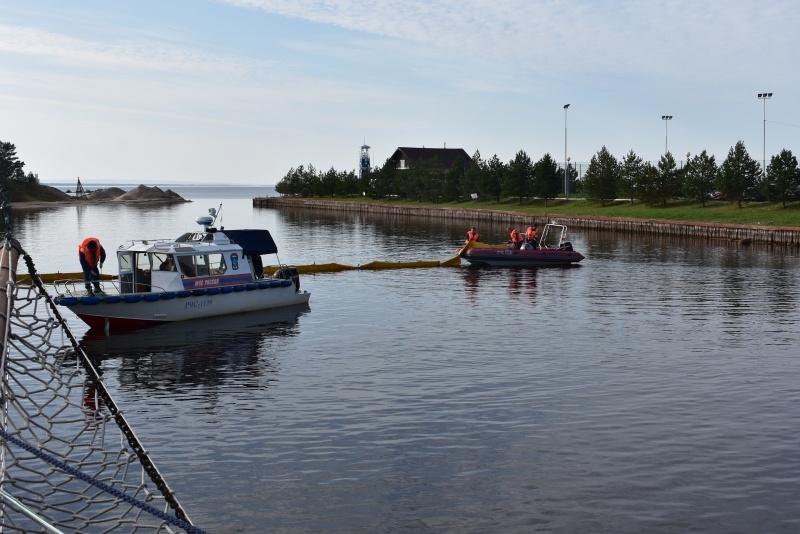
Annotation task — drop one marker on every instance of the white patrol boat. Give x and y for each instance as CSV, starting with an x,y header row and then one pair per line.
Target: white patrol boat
x,y
200,274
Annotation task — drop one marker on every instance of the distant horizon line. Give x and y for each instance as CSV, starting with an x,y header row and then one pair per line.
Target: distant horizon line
x,y
159,184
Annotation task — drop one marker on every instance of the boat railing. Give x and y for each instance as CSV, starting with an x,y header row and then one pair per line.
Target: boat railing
x,y
553,236
155,242
74,287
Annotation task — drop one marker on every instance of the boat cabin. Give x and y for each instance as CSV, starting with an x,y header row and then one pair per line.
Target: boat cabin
x,y
195,260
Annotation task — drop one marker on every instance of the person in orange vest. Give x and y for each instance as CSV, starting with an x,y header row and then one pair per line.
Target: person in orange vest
x,y
516,237
472,235
91,255
532,234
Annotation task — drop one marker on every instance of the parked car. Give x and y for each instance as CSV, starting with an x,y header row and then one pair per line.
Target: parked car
x,y
752,195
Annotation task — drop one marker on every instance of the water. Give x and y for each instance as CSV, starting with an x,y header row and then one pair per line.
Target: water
x,y
652,389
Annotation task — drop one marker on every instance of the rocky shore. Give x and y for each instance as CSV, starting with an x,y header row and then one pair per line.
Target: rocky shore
x,y
140,194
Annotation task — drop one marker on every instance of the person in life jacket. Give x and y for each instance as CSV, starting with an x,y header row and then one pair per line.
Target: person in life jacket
x,y
532,234
472,235
516,237
91,255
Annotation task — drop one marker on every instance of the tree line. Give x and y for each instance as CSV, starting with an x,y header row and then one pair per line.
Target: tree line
x,y
738,178
12,174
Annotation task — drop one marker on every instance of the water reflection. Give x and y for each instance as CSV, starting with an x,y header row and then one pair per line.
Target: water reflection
x,y
520,282
191,354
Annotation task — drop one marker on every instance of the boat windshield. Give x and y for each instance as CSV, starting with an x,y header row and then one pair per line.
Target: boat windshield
x,y
195,237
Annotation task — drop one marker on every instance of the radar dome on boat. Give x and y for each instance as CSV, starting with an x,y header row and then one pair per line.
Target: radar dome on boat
x,y
205,221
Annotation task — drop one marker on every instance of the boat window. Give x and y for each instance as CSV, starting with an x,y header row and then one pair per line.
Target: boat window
x,y
164,262
125,272
187,265
203,264
194,237
216,264
143,266
124,262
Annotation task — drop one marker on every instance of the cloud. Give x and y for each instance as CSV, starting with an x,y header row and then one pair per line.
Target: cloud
x,y
567,39
120,55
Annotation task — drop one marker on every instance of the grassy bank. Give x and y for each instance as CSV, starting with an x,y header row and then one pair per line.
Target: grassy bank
x,y
751,213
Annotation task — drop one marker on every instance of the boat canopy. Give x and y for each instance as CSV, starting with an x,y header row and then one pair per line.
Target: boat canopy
x,y
253,242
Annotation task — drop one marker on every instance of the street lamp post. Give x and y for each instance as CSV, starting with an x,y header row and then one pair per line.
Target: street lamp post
x,y
666,119
566,159
764,97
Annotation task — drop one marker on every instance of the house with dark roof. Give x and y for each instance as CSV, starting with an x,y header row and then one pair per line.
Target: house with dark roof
x,y
406,157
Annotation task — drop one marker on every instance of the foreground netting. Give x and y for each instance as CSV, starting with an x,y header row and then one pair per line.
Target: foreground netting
x,y
69,460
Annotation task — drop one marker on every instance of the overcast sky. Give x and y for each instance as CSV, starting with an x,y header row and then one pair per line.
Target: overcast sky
x,y
240,91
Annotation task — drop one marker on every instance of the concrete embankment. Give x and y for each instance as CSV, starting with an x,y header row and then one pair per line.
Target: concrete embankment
x,y
745,234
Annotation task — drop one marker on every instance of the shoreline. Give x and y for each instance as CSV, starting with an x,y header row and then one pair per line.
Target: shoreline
x,y
744,234
30,204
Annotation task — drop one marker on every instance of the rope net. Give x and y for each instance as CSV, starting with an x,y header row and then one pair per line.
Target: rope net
x,y
69,460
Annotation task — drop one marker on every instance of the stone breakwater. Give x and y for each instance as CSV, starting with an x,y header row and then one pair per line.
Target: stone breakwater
x,y
742,233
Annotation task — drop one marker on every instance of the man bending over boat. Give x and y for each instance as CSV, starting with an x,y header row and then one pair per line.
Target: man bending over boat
x,y
91,254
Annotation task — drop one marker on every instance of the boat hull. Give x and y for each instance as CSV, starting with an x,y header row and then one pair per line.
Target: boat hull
x,y
506,257
141,310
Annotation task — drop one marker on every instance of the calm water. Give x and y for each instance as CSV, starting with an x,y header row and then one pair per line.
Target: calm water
x,y
655,388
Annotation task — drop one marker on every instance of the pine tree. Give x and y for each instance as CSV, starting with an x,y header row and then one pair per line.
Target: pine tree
x,y
600,180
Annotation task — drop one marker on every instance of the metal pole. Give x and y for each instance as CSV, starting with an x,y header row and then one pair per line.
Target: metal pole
x,y
566,173
764,97
666,119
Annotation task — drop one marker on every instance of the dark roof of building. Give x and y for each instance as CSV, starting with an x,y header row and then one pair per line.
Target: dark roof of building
x,y
446,156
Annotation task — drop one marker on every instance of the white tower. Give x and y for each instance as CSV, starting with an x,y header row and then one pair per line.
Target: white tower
x,y
363,161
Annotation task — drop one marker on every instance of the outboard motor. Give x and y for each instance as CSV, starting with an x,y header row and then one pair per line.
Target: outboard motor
x,y
566,245
289,273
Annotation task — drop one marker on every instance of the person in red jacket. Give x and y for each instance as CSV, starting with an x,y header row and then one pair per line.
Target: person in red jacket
x,y
472,235
516,237
532,235
91,255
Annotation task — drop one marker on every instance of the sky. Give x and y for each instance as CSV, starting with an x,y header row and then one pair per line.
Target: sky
x,y
241,91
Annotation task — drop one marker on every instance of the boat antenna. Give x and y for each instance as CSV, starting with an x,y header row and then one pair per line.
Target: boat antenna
x,y
215,213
